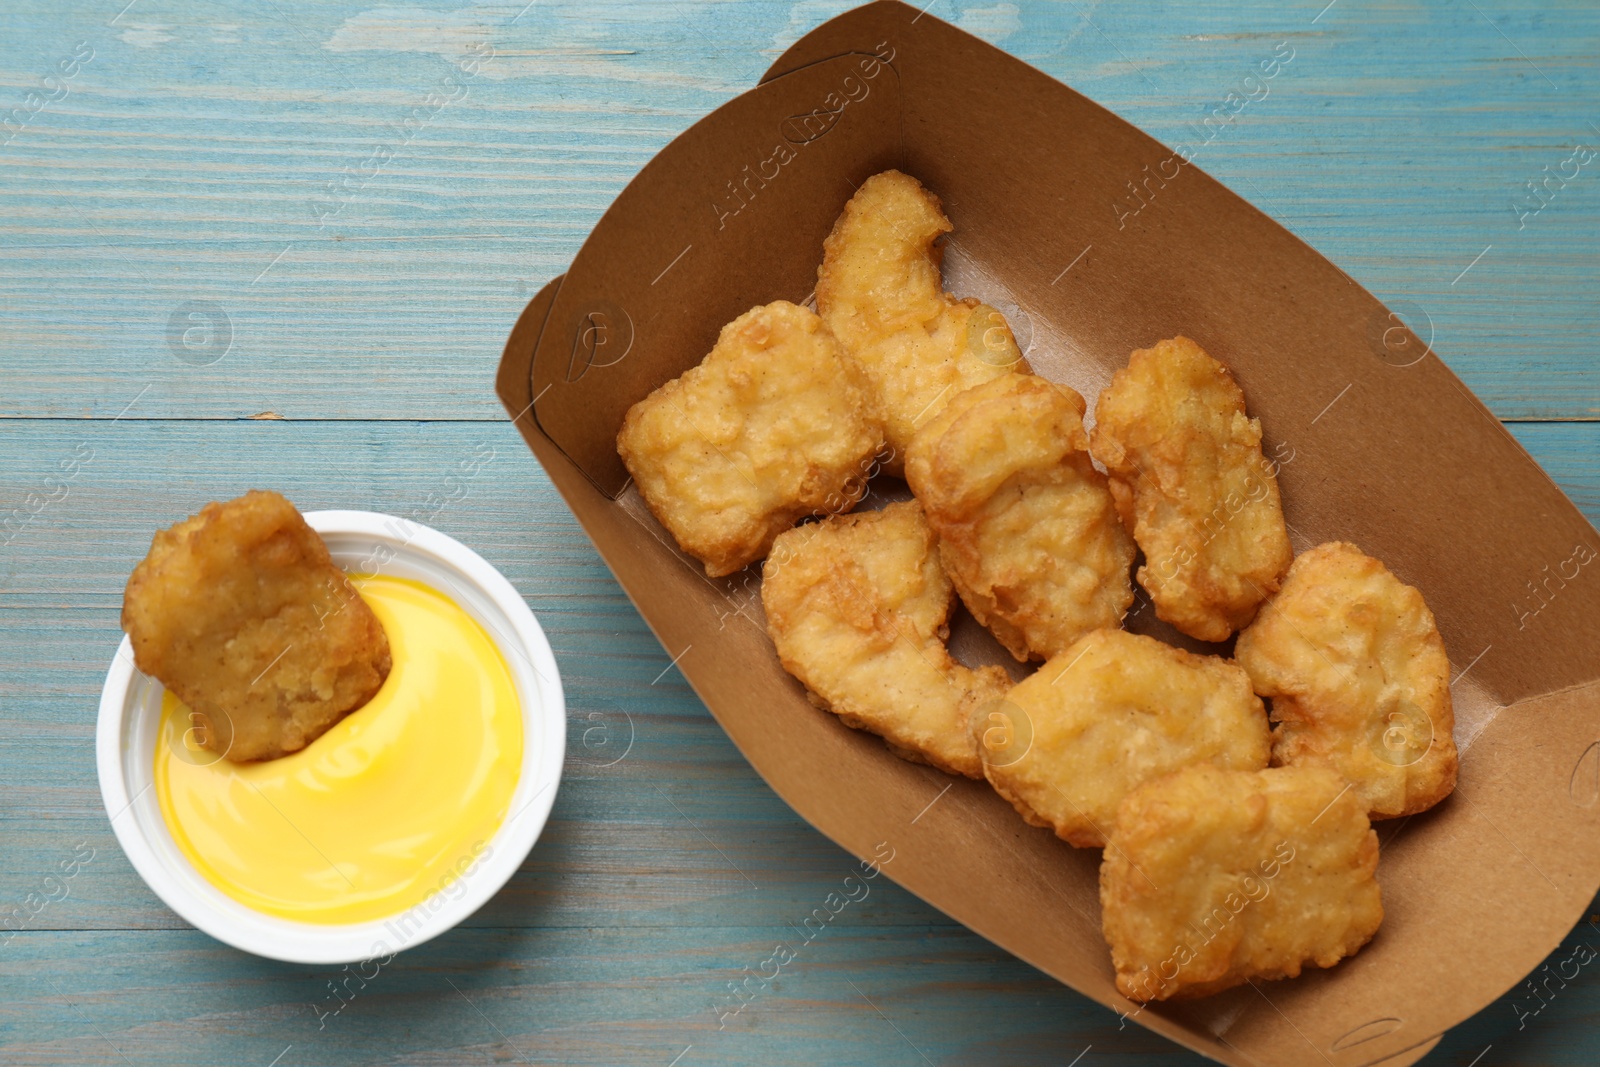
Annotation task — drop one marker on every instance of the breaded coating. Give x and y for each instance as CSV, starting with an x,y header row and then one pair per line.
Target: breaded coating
x,y
1188,475
857,606
1359,680
772,426
241,612
1110,713
1214,877
880,293
1027,528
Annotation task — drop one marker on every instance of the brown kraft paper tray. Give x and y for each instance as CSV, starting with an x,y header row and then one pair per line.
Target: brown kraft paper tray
x,y
1096,239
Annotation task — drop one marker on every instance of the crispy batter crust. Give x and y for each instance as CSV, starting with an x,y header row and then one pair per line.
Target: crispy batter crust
x,y
241,612
1187,472
1214,877
1359,679
1027,528
879,291
857,607
1113,711
772,426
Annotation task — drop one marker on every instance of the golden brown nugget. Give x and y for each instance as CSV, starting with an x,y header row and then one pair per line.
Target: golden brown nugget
x,y
1214,877
880,293
1027,529
241,612
1359,680
769,428
857,606
1188,475
1110,713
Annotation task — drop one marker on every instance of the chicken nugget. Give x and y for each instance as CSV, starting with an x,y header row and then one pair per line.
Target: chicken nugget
x,y
1359,680
880,293
857,606
241,613
1214,877
1027,528
772,426
1191,483
1114,711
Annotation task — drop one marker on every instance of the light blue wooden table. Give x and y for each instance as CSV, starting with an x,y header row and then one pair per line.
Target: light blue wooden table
x,y
229,262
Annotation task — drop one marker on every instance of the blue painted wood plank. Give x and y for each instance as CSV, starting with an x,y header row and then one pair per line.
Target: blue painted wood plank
x,y
135,475
614,995
187,160
603,997
628,909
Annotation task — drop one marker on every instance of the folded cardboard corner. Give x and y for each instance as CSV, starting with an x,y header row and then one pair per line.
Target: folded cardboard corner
x,y
1408,464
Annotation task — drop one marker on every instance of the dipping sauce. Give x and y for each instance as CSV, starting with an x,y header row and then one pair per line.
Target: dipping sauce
x,y
376,814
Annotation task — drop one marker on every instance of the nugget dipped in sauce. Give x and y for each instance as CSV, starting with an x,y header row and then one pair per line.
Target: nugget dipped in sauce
x,y
241,612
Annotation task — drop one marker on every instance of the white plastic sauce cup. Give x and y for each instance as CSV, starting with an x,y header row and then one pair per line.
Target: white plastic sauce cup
x,y
130,721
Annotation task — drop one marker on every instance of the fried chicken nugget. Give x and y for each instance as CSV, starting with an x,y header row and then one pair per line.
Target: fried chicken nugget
x,y
1110,713
1188,475
1359,680
1214,877
1027,528
880,293
241,612
772,426
857,606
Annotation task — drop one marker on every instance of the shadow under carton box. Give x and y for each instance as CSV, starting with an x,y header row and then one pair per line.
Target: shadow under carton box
x,y
1409,465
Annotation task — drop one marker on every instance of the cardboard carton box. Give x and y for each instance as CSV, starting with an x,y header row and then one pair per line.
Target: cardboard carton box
x,y
1096,239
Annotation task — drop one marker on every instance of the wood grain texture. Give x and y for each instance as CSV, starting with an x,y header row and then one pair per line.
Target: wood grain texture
x,y
189,152
663,873
188,157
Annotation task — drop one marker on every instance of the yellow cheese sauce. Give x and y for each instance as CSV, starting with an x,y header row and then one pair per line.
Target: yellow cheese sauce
x,y
369,819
